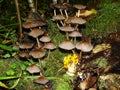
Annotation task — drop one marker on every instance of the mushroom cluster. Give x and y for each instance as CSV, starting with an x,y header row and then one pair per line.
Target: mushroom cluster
x,y
72,26
36,41
34,45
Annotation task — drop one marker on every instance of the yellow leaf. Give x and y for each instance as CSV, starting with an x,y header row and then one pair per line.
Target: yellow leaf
x,y
3,85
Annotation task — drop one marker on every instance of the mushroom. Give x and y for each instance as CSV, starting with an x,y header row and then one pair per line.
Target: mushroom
x,y
77,21
37,53
67,45
84,46
53,7
45,38
35,33
75,34
79,7
26,45
59,17
33,23
49,46
63,6
33,69
41,80
24,54
66,29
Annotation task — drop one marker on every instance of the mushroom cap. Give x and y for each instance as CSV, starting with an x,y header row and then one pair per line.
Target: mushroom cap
x,y
33,23
78,20
33,69
24,54
36,32
45,38
67,45
26,45
66,28
41,80
58,17
84,46
79,6
50,46
62,6
75,33
37,53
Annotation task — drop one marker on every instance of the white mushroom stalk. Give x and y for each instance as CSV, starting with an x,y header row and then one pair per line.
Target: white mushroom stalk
x,y
54,2
78,12
66,14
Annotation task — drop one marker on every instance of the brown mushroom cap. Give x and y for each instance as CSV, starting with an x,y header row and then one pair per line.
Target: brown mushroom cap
x,y
50,46
26,45
33,69
62,6
36,32
33,23
75,33
77,20
67,45
45,38
84,46
58,17
79,6
66,28
41,80
37,53
24,54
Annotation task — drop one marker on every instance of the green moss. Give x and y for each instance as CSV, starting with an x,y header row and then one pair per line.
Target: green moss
x,y
106,21
100,62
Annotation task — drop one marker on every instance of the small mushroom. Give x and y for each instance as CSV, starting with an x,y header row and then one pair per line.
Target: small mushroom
x,y
66,29
45,38
77,20
41,80
84,46
67,45
35,33
79,7
24,54
33,23
33,69
75,34
37,53
49,46
59,17
26,45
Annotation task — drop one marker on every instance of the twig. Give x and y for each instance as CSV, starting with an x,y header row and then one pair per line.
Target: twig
x,y
19,19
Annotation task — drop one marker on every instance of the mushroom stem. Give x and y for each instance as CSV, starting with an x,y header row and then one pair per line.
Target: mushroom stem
x,y
38,43
48,54
66,14
76,27
67,36
54,12
61,11
80,55
73,51
79,13
74,40
62,23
